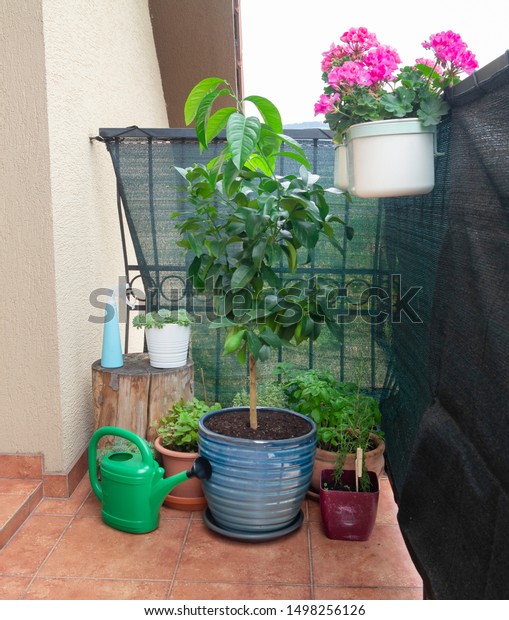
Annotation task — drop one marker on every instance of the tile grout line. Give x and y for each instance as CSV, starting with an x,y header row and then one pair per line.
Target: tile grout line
x,y
194,581
247,583
66,528
310,561
179,557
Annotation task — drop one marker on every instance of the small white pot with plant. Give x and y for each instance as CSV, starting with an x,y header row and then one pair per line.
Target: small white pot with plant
x,y
168,334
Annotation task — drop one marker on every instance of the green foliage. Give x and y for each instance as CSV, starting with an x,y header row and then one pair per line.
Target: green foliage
x,y
179,429
417,94
161,318
267,395
345,416
245,221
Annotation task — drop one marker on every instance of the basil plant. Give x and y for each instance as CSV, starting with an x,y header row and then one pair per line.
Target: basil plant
x,y
245,222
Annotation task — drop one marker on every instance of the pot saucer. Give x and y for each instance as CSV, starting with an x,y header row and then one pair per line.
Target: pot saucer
x,y
185,503
252,536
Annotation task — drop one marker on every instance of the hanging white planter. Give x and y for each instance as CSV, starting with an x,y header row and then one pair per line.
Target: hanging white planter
x,y
168,346
341,168
387,159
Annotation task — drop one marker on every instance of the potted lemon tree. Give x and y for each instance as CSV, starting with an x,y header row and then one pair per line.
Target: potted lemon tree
x,y
244,222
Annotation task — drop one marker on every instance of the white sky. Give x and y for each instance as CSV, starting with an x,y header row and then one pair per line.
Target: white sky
x,y
283,40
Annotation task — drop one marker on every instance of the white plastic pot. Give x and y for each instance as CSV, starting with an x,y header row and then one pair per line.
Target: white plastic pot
x,y
389,158
341,168
168,346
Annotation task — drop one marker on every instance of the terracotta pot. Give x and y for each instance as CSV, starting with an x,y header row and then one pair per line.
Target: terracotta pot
x,y
324,459
187,495
348,515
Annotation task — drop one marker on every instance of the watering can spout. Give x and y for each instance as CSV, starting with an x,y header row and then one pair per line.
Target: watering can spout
x,y
200,469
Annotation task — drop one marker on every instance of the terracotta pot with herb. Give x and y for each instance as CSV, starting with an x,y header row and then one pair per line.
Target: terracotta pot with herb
x,y
346,419
177,443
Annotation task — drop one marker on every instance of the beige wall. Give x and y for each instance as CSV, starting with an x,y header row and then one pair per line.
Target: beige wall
x,y
195,39
72,67
29,386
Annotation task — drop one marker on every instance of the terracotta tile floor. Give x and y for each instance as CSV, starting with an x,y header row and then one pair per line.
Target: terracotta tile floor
x,y
63,550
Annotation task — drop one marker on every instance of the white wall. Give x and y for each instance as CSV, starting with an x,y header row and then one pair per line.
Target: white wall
x,y
95,66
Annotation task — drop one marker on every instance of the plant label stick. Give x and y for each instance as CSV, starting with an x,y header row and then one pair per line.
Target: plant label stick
x,y
358,468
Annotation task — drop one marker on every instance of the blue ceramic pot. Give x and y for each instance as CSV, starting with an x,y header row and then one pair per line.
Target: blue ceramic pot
x,y
257,486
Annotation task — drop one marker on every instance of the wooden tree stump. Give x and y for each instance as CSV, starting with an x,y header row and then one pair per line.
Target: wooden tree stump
x,y
137,394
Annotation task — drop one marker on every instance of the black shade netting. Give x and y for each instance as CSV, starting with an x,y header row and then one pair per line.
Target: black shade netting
x,y
454,501
150,189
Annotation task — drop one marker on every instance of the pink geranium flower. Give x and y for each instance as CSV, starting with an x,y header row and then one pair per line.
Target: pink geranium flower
x,y
429,63
451,51
333,56
359,39
351,73
365,82
325,104
382,63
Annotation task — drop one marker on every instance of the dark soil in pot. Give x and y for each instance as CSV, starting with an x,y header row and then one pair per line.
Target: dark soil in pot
x,y
340,486
272,425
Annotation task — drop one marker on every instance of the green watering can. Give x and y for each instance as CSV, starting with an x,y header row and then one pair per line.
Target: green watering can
x,y
133,487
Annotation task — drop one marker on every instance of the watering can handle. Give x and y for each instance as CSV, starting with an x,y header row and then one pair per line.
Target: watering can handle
x,y
118,432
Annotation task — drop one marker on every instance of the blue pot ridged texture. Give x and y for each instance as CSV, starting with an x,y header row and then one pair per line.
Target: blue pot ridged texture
x,y
256,485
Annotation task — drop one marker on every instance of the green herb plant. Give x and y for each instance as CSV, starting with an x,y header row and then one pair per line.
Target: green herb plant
x,y
179,429
161,318
345,417
245,222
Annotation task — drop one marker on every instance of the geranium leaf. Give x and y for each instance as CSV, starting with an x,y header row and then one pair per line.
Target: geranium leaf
x,y
399,103
432,110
